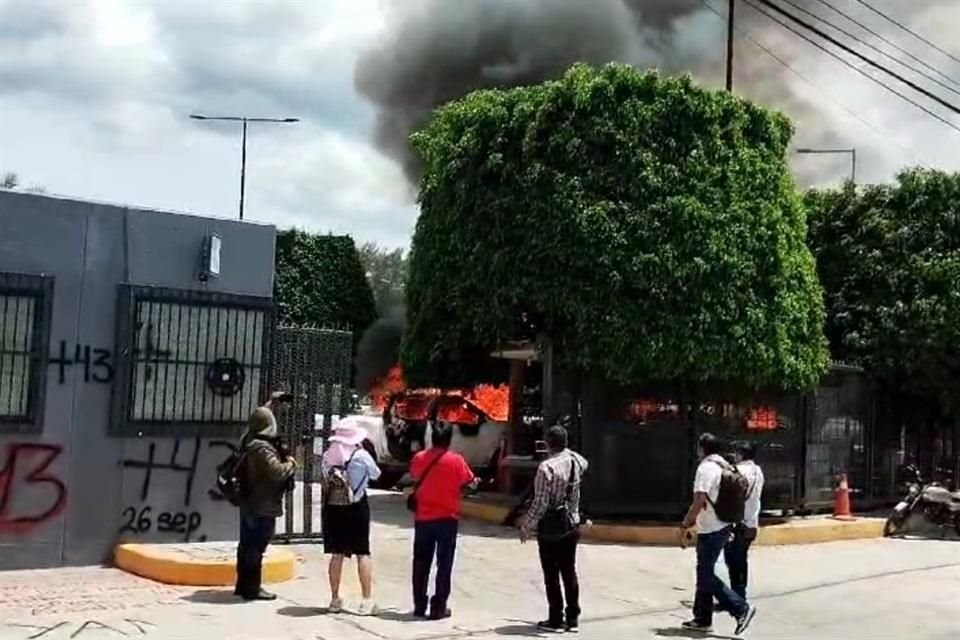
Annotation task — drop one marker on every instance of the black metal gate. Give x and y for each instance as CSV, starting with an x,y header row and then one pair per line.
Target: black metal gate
x,y
313,365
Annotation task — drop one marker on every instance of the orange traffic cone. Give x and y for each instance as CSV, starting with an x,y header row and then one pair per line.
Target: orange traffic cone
x,y
841,503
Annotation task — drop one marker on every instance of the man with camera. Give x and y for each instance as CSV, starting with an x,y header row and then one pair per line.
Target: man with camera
x,y
266,473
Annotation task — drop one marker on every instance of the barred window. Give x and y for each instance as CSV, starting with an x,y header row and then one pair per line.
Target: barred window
x,y
25,304
196,361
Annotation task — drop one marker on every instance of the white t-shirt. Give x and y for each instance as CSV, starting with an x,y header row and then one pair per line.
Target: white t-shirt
x,y
754,475
707,481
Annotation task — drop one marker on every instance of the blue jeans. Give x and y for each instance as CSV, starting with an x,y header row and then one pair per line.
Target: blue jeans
x,y
709,585
433,537
255,535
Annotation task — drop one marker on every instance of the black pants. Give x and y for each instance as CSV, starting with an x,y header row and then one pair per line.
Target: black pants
x,y
735,555
559,562
433,537
255,535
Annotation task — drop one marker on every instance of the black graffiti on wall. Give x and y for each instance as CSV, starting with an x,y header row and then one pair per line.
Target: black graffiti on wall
x,y
180,522
97,362
184,462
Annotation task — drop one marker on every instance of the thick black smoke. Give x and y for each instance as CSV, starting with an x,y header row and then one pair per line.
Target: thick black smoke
x,y
379,348
434,51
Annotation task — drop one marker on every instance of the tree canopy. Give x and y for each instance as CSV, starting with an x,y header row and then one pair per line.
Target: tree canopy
x,y
321,282
650,227
889,260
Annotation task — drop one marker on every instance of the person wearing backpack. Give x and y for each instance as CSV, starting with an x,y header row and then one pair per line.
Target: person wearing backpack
x,y
346,471
719,496
440,477
264,472
744,533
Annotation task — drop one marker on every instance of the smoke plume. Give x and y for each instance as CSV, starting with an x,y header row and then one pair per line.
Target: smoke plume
x,y
434,51
379,348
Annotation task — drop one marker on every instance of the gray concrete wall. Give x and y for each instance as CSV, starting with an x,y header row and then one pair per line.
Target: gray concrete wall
x,y
71,491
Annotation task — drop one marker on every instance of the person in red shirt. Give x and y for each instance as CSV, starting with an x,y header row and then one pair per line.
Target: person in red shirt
x,y
441,476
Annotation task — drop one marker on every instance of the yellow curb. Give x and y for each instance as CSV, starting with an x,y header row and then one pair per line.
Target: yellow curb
x,y
175,564
811,531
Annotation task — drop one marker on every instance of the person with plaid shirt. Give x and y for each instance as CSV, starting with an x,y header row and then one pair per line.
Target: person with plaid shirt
x,y
557,485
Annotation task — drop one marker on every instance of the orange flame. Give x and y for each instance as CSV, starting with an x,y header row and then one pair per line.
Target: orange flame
x,y
386,387
494,400
762,419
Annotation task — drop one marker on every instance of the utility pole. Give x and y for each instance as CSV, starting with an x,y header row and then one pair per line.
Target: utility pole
x,y
243,152
730,45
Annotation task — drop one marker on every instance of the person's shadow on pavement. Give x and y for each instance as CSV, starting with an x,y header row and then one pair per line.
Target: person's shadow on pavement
x,y
680,632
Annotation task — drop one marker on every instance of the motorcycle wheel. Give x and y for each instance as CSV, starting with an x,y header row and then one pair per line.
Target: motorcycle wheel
x,y
893,526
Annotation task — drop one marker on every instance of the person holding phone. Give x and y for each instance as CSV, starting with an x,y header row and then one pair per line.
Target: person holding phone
x,y
266,473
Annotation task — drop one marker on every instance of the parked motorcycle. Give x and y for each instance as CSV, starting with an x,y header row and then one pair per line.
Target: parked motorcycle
x,y
937,505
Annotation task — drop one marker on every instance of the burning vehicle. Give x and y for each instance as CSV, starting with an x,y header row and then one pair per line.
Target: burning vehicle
x,y
398,421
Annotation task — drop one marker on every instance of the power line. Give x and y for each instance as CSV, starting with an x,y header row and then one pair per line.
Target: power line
x,y
816,44
746,35
889,42
856,38
909,30
860,56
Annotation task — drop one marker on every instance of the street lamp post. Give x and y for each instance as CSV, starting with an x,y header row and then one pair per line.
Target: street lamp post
x,y
853,158
243,151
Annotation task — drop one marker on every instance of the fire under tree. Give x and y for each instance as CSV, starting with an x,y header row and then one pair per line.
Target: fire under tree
x,y
649,227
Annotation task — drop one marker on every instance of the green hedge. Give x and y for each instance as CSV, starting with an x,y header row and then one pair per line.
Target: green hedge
x,y
648,225
320,282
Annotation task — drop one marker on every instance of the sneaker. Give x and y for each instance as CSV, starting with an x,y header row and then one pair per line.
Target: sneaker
x,y
336,605
695,625
744,621
550,627
440,615
367,608
260,595
573,627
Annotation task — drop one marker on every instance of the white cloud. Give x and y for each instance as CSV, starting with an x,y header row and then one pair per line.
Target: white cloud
x,y
94,99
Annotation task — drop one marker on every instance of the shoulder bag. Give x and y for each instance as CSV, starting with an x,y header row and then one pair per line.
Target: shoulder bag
x,y
412,498
557,523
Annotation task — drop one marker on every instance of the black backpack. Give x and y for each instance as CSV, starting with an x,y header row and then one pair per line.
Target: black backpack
x,y
732,496
231,481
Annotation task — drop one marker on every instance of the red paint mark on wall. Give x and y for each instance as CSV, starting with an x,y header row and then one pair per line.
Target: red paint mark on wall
x,y
26,470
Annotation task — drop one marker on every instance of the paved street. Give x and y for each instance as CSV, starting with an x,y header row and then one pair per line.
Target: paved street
x,y
867,589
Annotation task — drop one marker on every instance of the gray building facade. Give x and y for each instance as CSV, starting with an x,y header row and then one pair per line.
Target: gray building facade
x,y
127,371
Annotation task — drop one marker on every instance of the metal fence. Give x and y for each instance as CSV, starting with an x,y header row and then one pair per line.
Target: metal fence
x,y
195,362
643,443
314,365
25,309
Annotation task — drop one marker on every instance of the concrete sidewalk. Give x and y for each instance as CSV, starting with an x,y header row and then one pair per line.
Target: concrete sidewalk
x,y
874,589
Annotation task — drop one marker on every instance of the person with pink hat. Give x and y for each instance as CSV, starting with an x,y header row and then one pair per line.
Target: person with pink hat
x,y
346,470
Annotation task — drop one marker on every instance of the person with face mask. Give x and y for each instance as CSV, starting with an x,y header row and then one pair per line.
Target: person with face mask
x,y
266,474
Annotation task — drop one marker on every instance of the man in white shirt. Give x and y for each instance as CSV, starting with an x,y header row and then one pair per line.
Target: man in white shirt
x,y
712,537
735,553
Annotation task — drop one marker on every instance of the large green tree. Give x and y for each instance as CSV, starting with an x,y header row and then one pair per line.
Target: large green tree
x,y
889,259
320,282
650,227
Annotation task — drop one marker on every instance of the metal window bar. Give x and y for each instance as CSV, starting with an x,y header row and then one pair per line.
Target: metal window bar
x,y
194,362
25,310
313,365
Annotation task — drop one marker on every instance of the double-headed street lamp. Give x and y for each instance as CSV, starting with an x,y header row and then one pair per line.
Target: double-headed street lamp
x,y
243,156
853,158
